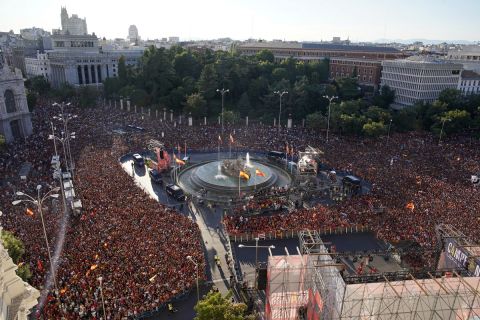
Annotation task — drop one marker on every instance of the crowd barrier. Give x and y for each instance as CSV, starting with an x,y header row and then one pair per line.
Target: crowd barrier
x,y
179,297
289,234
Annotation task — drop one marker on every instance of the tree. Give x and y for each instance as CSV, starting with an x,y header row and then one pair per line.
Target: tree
x,y
265,55
215,307
122,71
405,119
279,74
65,92
385,98
348,88
16,250
38,84
378,114
196,104
243,104
2,141
374,129
31,100
452,98
87,96
208,82
455,121
316,121
230,116
185,65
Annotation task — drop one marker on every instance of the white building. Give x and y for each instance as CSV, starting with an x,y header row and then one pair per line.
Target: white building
x,y
133,36
419,79
38,66
73,25
173,39
469,82
15,119
469,56
17,297
79,60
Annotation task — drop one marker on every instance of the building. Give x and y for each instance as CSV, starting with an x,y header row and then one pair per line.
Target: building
x,y
419,79
133,36
308,51
38,66
73,25
468,56
367,71
33,33
469,82
17,296
78,59
15,119
173,39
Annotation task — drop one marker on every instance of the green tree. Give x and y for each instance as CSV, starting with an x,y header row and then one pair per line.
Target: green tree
x,y
452,98
122,71
316,121
265,55
455,121
348,88
65,92
196,104
16,250
111,87
215,307
243,104
87,96
208,82
185,64
230,116
405,119
385,98
279,74
31,100
377,114
38,84
2,141
374,129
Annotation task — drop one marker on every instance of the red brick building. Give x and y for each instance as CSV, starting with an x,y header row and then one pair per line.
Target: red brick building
x,y
368,72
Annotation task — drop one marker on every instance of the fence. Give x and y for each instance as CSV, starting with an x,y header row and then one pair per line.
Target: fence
x,y
289,234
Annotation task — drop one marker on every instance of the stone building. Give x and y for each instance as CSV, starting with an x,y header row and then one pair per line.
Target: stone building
x,y
15,119
73,25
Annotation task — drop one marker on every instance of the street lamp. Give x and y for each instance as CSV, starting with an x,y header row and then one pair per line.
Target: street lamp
x,y
103,301
389,127
38,202
441,131
280,94
196,270
256,246
329,98
65,118
222,92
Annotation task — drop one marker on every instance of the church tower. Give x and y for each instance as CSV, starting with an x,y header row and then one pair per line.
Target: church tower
x,y
64,17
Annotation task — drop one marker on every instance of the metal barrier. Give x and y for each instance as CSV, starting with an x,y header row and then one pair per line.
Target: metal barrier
x,y
289,234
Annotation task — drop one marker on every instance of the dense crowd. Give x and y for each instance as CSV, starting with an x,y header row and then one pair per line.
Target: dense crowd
x,y
139,246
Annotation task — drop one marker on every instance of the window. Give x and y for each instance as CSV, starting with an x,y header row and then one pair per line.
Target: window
x,y
9,101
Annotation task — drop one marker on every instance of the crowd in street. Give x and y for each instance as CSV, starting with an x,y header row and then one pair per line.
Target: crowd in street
x,y
139,246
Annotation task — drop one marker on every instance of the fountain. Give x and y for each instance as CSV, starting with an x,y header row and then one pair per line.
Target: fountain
x,y
220,175
248,163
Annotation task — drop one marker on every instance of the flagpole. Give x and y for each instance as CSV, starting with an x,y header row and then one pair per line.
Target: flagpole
x,y
230,149
239,185
185,148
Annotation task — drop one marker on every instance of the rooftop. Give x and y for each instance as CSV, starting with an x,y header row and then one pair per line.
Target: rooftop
x,y
320,46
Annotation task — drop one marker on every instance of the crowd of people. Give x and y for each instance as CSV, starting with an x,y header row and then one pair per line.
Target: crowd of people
x,y
139,246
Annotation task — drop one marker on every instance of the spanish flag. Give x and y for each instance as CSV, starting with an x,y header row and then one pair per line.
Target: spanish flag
x,y
62,291
30,212
410,206
178,161
244,175
259,173
93,267
231,138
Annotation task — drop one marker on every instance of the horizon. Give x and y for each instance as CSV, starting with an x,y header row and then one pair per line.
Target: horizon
x,y
303,21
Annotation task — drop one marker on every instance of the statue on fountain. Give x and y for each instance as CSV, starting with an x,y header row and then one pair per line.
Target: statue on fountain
x,y
232,168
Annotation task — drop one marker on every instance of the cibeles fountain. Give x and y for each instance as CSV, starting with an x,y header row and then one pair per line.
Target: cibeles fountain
x,y
225,180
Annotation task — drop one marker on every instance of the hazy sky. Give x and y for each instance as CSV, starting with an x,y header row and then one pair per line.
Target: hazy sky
x,y
304,20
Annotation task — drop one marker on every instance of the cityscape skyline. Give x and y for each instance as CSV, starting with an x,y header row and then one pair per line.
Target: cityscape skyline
x,y
368,21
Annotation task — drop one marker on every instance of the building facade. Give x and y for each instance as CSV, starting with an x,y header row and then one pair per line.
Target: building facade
x,y
17,297
38,66
319,51
468,56
15,119
469,83
419,79
133,36
368,72
73,25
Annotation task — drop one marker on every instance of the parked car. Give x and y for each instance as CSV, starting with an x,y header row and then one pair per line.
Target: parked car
x,y
138,160
155,176
175,192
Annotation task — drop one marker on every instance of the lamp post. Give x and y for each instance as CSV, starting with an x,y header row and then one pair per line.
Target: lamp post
x,y
441,131
389,127
39,203
222,92
196,271
64,140
256,246
103,301
329,98
280,94
65,118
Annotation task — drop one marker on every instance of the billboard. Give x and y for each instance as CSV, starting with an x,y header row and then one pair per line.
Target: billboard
x,y
462,257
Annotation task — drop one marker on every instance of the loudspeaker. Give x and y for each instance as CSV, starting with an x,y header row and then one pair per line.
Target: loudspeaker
x,y
262,279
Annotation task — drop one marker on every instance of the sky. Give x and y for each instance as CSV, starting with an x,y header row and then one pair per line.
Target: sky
x,y
301,20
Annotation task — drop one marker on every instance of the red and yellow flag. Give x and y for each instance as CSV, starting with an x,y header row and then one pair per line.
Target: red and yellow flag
x,y
259,173
286,148
178,161
29,212
244,175
93,267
